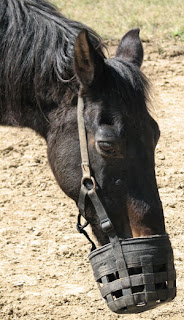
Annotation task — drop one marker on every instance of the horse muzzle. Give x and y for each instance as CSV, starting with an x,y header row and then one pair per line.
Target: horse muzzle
x,y
138,279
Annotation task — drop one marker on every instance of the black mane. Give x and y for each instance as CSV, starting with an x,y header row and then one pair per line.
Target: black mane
x,y
36,48
37,68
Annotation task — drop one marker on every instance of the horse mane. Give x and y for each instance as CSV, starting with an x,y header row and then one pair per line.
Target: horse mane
x,y
36,50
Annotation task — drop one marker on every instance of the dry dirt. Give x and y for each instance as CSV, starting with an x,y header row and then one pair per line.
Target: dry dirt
x,y
44,268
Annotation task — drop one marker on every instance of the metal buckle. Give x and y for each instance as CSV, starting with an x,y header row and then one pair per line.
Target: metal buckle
x,y
89,182
106,225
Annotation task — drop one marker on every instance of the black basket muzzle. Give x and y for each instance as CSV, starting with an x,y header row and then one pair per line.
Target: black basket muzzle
x,y
144,279
135,274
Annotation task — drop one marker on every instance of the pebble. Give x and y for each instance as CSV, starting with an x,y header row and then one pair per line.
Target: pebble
x,y
18,283
35,243
161,157
38,233
172,205
10,311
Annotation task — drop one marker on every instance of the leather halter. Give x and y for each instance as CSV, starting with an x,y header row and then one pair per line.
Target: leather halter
x,y
86,174
105,222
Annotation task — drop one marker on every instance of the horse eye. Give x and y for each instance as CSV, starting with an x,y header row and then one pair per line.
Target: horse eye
x,y
106,147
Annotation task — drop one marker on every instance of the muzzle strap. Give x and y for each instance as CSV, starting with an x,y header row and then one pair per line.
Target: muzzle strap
x,y
82,199
108,228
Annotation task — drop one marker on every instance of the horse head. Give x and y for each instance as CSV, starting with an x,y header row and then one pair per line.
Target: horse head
x,y
121,137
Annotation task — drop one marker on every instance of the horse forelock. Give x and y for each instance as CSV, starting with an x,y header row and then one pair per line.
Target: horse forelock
x,y
122,94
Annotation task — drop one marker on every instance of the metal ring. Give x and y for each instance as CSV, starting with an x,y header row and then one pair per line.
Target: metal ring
x,y
90,179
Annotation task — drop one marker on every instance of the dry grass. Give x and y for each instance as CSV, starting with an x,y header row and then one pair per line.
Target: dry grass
x,y
112,18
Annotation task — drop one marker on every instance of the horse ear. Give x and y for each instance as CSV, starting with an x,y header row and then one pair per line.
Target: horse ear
x,y
130,47
87,61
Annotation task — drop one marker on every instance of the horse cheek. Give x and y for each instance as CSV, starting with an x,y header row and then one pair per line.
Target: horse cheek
x,y
64,160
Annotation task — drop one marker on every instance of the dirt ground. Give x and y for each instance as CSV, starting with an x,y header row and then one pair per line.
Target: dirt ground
x,y
44,268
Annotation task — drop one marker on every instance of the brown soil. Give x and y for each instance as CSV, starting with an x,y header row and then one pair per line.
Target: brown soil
x,y
44,268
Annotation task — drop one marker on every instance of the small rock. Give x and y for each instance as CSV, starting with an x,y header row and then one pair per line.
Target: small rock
x,y
161,157
38,233
63,204
35,243
172,205
10,311
18,283
59,303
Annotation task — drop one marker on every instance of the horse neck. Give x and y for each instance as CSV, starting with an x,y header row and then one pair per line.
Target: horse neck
x,y
29,116
44,117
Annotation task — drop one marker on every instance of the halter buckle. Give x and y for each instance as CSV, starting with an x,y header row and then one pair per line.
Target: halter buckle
x,y
106,225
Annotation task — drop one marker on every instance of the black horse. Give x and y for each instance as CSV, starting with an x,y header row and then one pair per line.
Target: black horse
x,y
45,60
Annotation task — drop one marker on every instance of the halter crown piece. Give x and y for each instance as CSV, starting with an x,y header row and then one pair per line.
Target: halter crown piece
x,y
134,274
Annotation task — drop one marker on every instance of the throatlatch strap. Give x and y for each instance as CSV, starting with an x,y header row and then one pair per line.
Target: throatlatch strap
x,y
109,229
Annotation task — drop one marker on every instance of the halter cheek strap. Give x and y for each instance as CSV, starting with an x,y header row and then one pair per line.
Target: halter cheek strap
x,y
88,183
82,139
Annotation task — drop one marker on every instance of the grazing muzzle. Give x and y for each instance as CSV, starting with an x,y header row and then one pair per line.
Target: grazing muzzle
x,y
138,278
134,274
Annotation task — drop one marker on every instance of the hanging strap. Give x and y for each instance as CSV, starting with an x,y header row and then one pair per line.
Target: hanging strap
x,y
80,229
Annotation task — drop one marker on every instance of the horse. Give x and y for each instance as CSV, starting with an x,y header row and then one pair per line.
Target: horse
x,y
47,62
